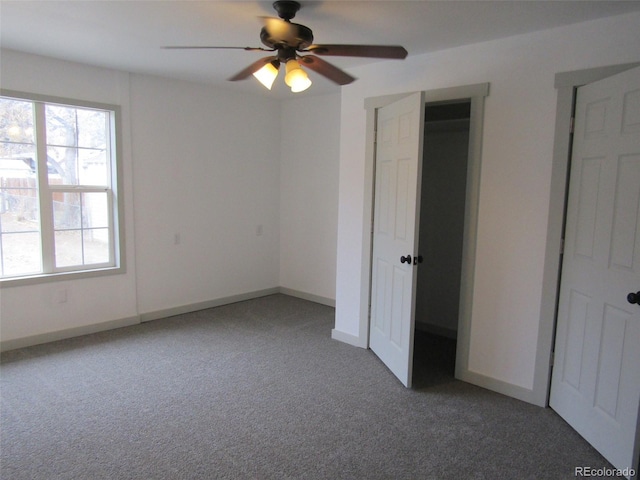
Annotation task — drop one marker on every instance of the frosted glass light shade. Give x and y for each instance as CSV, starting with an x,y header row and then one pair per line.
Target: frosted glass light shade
x,y
267,75
296,78
301,85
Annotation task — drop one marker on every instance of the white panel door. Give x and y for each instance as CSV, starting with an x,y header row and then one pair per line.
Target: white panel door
x,y
396,212
596,375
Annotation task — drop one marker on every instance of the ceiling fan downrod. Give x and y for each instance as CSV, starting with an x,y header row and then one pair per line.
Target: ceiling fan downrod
x,y
286,9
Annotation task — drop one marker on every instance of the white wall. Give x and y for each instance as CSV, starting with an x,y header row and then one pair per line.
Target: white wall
x,y
309,195
514,185
202,163
206,168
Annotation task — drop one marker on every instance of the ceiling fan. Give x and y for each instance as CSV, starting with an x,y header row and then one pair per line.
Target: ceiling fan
x,y
288,40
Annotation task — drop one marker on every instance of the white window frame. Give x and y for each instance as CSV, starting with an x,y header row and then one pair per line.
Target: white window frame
x,y
116,263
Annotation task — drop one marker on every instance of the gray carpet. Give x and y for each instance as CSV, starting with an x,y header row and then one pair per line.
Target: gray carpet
x,y
258,390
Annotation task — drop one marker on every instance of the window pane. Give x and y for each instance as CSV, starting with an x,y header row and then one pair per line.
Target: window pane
x,y
68,245
66,210
96,245
61,125
19,208
77,146
18,193
20,249
19,227
20,253
81,224
62,165
95,210
16,122
92,128
93,167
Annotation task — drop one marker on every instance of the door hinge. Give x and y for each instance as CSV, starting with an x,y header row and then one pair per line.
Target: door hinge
x,y
572,124
562,246
553,357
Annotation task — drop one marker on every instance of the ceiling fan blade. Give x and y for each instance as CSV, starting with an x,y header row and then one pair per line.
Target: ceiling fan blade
x,y
332,72
251,69
370,51
285,32
197,47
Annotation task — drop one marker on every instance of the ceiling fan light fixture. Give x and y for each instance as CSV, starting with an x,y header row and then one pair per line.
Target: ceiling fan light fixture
x,y
287,40
267,74
296,78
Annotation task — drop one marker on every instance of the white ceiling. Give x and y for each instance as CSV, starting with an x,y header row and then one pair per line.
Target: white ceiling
x,y
128,34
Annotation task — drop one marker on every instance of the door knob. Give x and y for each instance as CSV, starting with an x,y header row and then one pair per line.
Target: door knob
x,y
406,259
417,260
634,298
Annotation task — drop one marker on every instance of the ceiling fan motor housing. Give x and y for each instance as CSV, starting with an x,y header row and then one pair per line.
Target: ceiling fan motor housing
x,y
289,35
301,39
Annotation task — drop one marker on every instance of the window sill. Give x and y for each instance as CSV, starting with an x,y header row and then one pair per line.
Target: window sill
x,y
59,277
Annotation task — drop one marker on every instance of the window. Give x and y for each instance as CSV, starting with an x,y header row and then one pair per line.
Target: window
x,y
58,187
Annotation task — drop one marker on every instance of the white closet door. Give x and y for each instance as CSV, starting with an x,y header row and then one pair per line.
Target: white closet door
x,y
396,213
596,375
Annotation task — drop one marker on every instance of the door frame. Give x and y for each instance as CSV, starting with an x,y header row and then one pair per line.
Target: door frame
x,y
476,94
566,84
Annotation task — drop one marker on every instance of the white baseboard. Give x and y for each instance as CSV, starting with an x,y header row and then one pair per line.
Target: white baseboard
x,y
330,302
157,314
31,340
498,386
194,307
348,338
